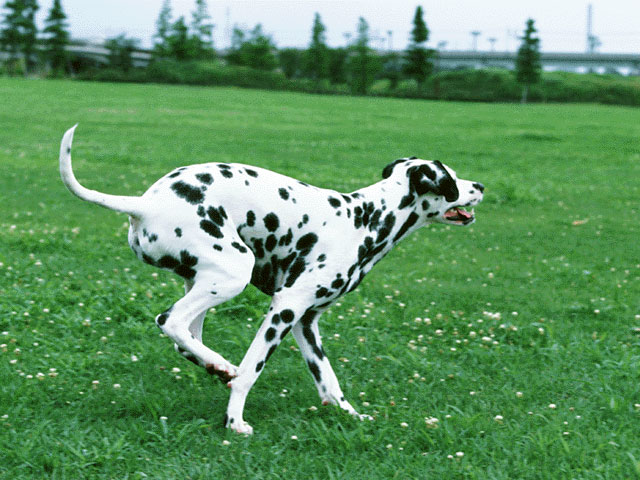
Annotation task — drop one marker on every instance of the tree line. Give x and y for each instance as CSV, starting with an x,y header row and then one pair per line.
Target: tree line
x,y
191,39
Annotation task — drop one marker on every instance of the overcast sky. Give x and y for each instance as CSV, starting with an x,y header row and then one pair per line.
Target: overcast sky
x,y
562,24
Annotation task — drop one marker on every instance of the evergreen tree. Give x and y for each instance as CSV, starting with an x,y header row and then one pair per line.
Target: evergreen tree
x,y
418,56
120,52
202,30
362,64
317,56
57,38
290,62
19,31
163,31
337,65
528,65
255,49
181,45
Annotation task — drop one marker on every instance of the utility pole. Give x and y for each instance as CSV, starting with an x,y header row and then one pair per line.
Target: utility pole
x,y
593,42
493,41
475,35
390,40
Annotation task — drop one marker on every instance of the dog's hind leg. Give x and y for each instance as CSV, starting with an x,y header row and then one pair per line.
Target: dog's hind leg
x,y
307,336
195,328
183,321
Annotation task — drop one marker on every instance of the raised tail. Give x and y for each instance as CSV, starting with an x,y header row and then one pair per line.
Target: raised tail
x,y
130,205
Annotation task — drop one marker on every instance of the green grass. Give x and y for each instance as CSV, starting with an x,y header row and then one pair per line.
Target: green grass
x,y
541,296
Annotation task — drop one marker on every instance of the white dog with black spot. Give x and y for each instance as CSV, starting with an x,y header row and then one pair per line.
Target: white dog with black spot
x,y
222,226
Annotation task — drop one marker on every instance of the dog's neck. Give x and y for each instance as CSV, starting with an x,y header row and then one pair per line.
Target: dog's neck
x,y
373,204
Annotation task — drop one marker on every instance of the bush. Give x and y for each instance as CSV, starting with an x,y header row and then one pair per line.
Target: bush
x,y
489,85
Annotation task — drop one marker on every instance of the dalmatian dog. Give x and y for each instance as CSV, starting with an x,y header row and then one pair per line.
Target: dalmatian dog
x,y
222,226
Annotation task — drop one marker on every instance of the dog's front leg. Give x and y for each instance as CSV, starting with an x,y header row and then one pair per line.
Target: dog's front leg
x,y
307,335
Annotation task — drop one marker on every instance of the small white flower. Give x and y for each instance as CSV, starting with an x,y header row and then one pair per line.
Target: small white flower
x,y
459,454
163,418
226,442
294,437
389,446
116,385
134,358
175,370
404,425
498,418
552,406
519,394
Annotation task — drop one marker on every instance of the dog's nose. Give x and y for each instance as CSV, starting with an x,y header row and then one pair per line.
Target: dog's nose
x,y
479,186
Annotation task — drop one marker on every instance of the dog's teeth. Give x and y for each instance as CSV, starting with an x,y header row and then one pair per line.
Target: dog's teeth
x,y
473,211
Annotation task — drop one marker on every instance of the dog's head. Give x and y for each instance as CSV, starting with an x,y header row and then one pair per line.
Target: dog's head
x,y
434,189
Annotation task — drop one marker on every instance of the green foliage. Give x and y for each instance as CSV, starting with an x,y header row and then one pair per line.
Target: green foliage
x,y
418,64
528,66
430,333
362,64
181,41
291,62
317,56
121,49
56,38
337,69
163,31
253,49
202,30
18,32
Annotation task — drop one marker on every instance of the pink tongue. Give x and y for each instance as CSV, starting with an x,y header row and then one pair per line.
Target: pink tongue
x,y
456,212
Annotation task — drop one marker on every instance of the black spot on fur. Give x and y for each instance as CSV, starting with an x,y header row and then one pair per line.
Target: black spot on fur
x,y
270,334
313,367
211,228
334,202
226,173
322,292
287,316
406,201
271,242
174,174
271,222
188,192
251,218
216,215
413,218
259,366
337,283
283,193
306,243
239,247
205,178
178,232
251,173
386,173
275,320
217,247
295,271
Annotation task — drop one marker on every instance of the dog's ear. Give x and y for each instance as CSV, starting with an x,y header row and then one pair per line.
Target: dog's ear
x,y
386,173
423,179
447,185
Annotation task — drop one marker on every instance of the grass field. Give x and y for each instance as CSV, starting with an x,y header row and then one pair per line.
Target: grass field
x,y
520,334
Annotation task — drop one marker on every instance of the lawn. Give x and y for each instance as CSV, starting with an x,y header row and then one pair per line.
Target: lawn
x,y
508,349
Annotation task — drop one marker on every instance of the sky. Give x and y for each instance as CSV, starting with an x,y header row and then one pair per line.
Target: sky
x,y
562,24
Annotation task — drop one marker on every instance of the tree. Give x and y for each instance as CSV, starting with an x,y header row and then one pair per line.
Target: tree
x,y
180,45
337,68
290,62
528,65
19,32
163,31
202,30
362,65
316,58
120,52
255,49
57,38
418,57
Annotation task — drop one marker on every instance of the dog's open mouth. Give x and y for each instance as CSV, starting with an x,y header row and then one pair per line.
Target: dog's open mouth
x,y
459,216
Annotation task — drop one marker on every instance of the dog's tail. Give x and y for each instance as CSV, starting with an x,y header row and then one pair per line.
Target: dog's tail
x,y
130,205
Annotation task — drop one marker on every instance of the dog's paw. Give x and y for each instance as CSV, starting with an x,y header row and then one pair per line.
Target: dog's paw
x,y
224,372
363,417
